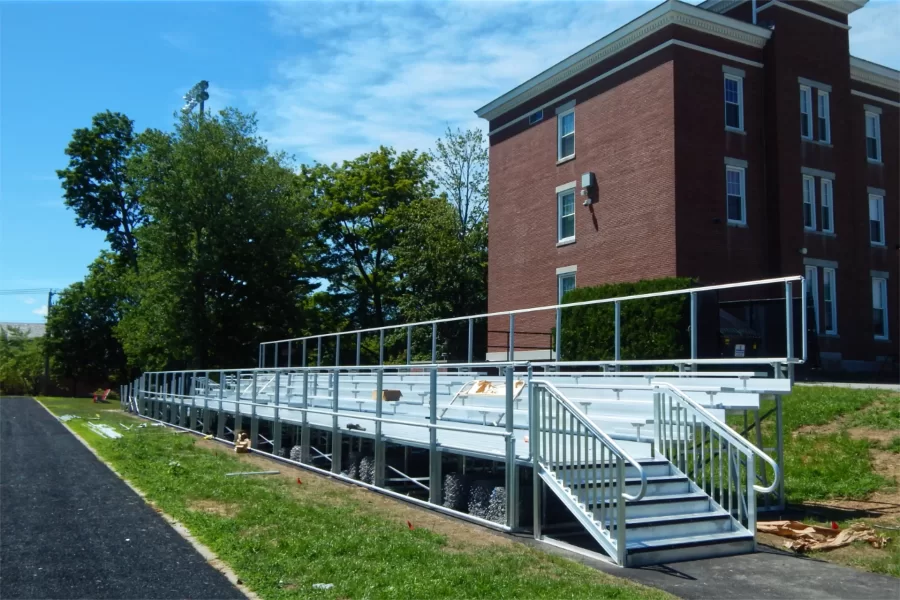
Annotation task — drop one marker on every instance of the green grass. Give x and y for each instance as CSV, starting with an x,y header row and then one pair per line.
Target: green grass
x,y
280,539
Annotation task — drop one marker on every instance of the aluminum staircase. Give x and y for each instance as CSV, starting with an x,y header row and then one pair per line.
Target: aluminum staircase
x,y
649,511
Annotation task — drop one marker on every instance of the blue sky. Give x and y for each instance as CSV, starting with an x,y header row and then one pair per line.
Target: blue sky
x,y
328,81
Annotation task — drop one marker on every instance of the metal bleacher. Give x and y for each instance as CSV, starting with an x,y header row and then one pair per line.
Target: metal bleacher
x,y
641,461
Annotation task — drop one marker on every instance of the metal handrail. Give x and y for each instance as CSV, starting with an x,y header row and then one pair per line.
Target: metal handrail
x,y
725,431
594,430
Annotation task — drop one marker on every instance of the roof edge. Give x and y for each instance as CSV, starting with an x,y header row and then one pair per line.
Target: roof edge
x,y
842,6
874,74
668,13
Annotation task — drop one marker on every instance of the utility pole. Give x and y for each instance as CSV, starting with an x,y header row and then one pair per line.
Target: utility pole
x,y
47,346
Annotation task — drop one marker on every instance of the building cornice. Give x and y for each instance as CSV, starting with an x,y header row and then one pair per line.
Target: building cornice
x,y
671,12
841,6
874,74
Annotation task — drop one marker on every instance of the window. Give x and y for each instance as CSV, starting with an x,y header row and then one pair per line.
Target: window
x,y
536,117
829,300
566,134
805,112
824,117
565,283
812,293
876,220
734,102
879,308
827,197
873,136
566,210
809,203
736,201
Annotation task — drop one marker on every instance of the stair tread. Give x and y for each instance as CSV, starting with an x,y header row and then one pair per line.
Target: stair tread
x,y
660,499
669,519
644,462
635,480
692,540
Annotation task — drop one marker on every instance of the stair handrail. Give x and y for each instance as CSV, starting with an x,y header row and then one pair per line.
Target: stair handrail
x,y
596,431
726,431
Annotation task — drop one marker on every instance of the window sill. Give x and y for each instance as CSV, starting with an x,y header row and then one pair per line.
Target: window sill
x,y
830,336
565,159
874,245
882,339
565,242
872,161
735,130
830,234
738,224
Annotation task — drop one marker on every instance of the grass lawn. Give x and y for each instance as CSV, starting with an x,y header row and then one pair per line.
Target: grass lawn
x,y
281,537
842,463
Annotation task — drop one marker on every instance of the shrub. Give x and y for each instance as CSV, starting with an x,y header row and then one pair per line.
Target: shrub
x,y
651,328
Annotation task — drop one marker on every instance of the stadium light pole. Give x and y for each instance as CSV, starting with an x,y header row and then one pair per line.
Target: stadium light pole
x,y
197,95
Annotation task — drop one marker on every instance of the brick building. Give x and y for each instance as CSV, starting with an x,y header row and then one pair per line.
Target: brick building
x,y
719,149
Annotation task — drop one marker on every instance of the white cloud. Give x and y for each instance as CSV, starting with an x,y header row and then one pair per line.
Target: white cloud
x,y
398,73
29,300
41,311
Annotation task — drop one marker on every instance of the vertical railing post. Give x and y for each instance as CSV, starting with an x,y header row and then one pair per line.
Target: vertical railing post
x,y
434,457
617,345
558,333
206,404
358,348
319,352
620,512
408,346
254,419
289,354
276,355
512,338
220,414
379,439
337,351
304,421
803,324
535,411
779,449
303,356
751,497
512,487
471,352
337,449
193,391
693,330
789,325
434,343
238,419
276,420
259,359
381,347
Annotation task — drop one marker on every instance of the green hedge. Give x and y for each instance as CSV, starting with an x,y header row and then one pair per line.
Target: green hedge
x,y
652,328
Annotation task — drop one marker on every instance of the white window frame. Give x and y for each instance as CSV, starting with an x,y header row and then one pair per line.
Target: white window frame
x,y
536,117
826,195
740,102
806,91
876,118
812,278
824,115
829,273
879,213
559,134
809,198
559,284
743,179
881,293
559,216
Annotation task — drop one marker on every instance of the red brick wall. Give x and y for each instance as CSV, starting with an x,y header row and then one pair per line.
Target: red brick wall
x,y
625,136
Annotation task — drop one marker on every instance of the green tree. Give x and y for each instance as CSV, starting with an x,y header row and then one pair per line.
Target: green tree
x,y
357,206
81,328
459,165
21,362
97,184
229,249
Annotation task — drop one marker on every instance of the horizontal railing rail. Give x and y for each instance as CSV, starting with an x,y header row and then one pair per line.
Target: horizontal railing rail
x,y
317,339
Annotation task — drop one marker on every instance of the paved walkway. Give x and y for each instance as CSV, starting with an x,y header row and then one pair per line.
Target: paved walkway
x,y
768,574
69,528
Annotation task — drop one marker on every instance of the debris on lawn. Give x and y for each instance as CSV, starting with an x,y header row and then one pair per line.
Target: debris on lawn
x,y
323,586
242,443
104,430
251,473
806,538
66,418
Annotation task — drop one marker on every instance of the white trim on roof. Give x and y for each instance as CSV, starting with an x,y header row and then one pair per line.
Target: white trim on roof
x,y
874,74
805,13
875,98
670,12
625,65
842,6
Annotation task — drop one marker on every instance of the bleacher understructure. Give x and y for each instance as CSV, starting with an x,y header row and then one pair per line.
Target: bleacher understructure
x,y
628,459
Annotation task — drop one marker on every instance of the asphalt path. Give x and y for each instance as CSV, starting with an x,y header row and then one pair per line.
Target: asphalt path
x,y
70,528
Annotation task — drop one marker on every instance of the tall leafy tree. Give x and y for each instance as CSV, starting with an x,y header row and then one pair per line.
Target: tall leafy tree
x,y
229,248
460,168
97,184
21,362
357,205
